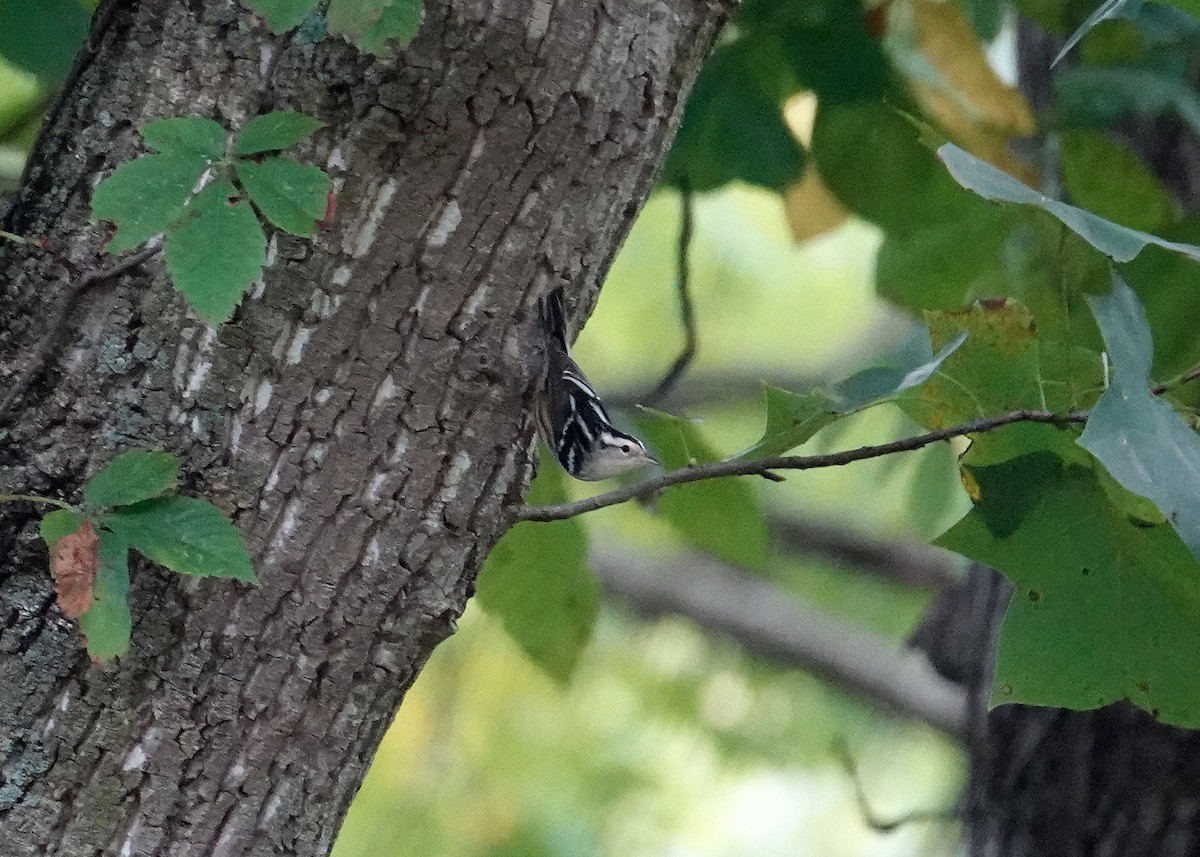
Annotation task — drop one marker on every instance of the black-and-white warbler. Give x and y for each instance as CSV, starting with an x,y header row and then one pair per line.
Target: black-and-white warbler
x,y
571,417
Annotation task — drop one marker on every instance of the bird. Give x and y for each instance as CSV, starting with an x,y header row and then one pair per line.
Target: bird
x,y
571,417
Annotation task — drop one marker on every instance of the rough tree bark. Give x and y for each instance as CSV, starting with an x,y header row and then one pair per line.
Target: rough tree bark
x,y
364,417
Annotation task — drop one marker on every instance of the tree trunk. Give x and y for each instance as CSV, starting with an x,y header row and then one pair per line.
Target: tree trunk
x,y
363,419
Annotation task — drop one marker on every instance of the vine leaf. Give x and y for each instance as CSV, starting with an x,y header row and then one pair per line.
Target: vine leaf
x,y
185,534
61,522
281,15
537,583
146,196
292,196
73,564
1113,240
217,217
374,26
273,131
1140,440
185,135
132,477
722,516
1103,609
90,561
107,624
214,243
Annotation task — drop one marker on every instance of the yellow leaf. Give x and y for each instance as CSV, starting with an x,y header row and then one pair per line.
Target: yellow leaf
x,y
955,86
811,208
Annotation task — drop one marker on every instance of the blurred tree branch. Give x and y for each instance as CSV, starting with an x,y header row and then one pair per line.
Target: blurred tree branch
x,y
903,562
771,622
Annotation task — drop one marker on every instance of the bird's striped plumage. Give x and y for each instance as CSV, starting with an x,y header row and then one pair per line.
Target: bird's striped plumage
x,y
572,419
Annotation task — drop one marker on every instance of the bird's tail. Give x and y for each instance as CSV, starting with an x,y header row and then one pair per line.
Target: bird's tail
x,y
554,316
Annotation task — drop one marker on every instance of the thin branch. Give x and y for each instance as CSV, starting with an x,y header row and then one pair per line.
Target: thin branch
x,y
34,498
773,623
873,819
686,311
35,361
756,467
17,239
1178,381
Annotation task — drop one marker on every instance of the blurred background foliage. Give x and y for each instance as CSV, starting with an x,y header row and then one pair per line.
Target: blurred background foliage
x,y
823,225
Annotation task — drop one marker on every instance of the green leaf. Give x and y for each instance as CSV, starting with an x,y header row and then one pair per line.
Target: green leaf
x,y
1105,11
722,516
1103,609
292,196
871,158
1108,179
132,477
946,265
185,135
537,583
43,37
61,522
146,196
1116,241
184,534
873,386
376,25
986,17
107,624
995,370
1140,440
1165,282
733,126
1097,96
216,252
792,419
280,129
281,15
397,26
1191,7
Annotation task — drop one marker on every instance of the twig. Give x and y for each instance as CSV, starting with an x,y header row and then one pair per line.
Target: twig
x,y
686,311
758,466
35,361
873,819
16,239
1178,381
773,623
34,498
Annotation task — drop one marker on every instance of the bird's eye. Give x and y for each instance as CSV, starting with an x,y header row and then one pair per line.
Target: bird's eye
x,y
624,447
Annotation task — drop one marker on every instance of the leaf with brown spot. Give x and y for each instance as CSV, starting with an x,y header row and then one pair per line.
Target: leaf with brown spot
x,y
73,565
